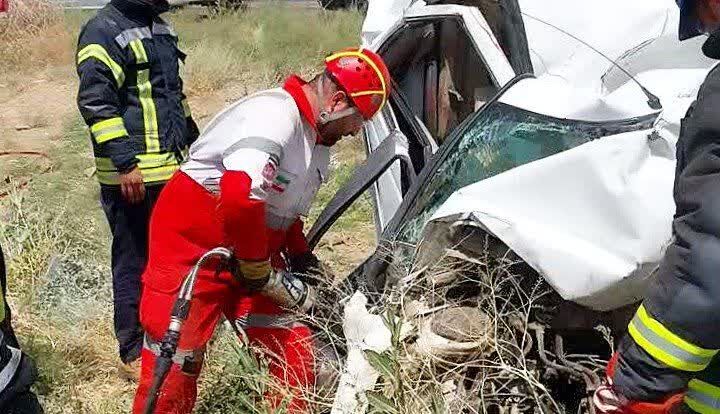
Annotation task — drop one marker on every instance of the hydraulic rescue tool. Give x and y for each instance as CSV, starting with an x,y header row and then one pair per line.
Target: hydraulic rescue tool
x,y
282,287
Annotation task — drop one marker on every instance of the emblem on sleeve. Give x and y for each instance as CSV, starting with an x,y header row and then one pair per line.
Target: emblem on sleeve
x,y
272,179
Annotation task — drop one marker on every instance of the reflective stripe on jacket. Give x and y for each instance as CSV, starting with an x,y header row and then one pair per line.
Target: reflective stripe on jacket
x,y
674,338
130,93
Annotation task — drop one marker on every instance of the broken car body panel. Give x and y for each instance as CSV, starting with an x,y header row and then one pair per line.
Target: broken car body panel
x,y
595,219
600,231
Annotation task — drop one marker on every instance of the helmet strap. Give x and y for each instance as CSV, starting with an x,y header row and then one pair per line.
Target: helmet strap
x,y
325,116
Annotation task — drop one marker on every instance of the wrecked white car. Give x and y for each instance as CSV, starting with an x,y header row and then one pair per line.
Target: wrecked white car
x,y
539,150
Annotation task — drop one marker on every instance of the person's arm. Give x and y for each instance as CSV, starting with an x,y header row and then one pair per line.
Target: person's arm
x,y
101,67
674,334
251,163
296,242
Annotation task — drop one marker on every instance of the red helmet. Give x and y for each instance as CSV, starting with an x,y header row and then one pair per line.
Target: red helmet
x,y
363,75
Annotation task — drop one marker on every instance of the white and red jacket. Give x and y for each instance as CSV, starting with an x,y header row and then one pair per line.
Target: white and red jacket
x,y
261,157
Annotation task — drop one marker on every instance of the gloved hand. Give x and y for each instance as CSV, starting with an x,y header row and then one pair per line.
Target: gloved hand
x,y
252,274
310,269
608,400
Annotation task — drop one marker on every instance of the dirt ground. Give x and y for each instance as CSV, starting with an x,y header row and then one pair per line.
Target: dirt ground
x,y
36,110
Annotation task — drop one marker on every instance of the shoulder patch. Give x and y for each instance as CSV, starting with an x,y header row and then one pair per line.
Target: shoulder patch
x,y
162,28
127,36
269,174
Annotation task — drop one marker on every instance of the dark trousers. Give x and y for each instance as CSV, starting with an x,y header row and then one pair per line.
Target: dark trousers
x,y
129,225
16,397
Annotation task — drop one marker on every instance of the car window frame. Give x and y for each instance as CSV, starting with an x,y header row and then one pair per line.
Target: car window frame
x,y
435,18
378,162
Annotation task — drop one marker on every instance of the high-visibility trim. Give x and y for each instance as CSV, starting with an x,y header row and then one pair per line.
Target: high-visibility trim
x,y
265,145
186,108
154,168
702,397
98,52
667,347
365,93
370,62
146,161
127,36
10,369
107,123
108,129
152,138
179,357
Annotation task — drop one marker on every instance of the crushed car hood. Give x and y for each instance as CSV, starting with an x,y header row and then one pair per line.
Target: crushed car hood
x,y
594,220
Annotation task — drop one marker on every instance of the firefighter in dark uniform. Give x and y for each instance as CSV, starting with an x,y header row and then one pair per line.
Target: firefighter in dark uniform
x,y
131,97
17,371
669,362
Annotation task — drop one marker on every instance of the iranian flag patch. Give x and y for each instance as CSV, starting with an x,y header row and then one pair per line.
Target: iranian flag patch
x,y
280,184
273,179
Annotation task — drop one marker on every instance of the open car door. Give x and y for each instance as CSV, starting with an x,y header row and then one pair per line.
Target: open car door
x,y
392,152
446,63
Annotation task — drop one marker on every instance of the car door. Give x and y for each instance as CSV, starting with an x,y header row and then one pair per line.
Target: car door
x,y
446,63
393,151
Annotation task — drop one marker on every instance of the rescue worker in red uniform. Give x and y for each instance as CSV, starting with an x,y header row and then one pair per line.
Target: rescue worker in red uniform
x,y
250,177
670,361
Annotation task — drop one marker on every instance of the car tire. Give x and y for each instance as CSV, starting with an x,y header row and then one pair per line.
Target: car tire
x,y
362,6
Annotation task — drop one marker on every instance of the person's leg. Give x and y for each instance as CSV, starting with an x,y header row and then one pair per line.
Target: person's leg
x,y
24,403
179,391
183,228
15,395
6,323
129,225
287,344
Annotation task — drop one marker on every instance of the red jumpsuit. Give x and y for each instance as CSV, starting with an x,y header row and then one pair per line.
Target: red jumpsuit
x,y
250,176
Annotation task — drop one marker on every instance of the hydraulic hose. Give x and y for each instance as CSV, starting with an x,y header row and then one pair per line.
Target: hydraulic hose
x,y
169,344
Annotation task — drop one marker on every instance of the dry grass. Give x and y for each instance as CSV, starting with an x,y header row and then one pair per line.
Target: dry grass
x,y
33,36
260,47
56,239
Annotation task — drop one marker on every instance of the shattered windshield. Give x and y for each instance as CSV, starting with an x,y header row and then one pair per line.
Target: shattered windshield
x,y
500,138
